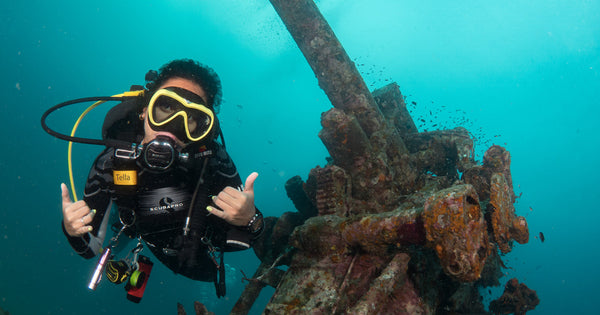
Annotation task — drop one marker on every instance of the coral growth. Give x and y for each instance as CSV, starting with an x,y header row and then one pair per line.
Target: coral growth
x,y
457,231
390,246
517,298
389,225
505,225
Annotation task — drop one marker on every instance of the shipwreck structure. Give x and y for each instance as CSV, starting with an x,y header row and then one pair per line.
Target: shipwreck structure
x,y
399,221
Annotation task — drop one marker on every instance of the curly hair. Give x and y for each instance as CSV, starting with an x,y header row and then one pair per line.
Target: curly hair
x,y
192,70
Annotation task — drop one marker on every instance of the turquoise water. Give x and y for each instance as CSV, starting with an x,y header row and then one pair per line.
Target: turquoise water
x,y
522,74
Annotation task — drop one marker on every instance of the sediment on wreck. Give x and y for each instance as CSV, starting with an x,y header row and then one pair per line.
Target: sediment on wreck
x,y
399,221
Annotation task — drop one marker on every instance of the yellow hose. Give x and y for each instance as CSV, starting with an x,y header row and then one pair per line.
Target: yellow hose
x,y
85,112
70,150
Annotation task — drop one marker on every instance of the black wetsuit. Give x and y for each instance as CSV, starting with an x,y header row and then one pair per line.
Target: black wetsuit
x,y
161,202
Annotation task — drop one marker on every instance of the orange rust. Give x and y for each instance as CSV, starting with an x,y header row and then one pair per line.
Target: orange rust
x,y
520,231
293,305
506,226
335,259
456,230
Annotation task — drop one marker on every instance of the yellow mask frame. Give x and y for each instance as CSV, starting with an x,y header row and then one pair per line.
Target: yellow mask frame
x,y
186,103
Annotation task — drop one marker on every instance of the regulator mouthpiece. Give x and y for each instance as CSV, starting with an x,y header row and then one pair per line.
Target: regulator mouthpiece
x,y
161,153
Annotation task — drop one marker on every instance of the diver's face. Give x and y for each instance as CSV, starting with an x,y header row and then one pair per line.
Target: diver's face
x,y
149,133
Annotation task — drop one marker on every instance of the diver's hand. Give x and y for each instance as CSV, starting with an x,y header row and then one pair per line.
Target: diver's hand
x,y
76,216
235,206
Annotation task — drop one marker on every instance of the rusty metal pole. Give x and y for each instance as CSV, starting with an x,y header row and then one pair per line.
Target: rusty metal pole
x,y
250,294
336,73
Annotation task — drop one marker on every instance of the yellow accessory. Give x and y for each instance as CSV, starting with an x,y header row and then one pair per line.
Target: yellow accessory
x,y
166,105
125,177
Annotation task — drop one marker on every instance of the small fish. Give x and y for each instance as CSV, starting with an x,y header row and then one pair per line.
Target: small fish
x,y
542,238
414,103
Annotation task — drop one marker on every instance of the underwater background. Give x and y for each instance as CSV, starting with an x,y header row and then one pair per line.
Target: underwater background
x,y
521,74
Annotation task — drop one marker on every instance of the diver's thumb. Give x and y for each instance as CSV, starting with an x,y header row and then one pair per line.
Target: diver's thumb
x,y
66,199
249,186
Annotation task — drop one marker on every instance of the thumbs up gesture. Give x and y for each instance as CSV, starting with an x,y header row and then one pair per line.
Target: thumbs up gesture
x,y
76,215
235,206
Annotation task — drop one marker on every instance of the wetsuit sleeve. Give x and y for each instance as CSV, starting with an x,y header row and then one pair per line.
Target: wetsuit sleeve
x,y
97,195
224,173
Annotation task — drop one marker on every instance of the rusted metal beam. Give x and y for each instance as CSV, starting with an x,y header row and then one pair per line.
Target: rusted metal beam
x,y
250,294
336,73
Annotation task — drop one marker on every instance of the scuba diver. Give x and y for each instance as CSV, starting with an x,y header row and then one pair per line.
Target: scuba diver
x,y
166,169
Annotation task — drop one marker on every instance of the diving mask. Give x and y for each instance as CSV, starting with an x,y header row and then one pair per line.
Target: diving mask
x,y
180,112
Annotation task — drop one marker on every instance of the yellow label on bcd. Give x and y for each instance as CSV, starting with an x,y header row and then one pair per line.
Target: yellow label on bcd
x,y
125,177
